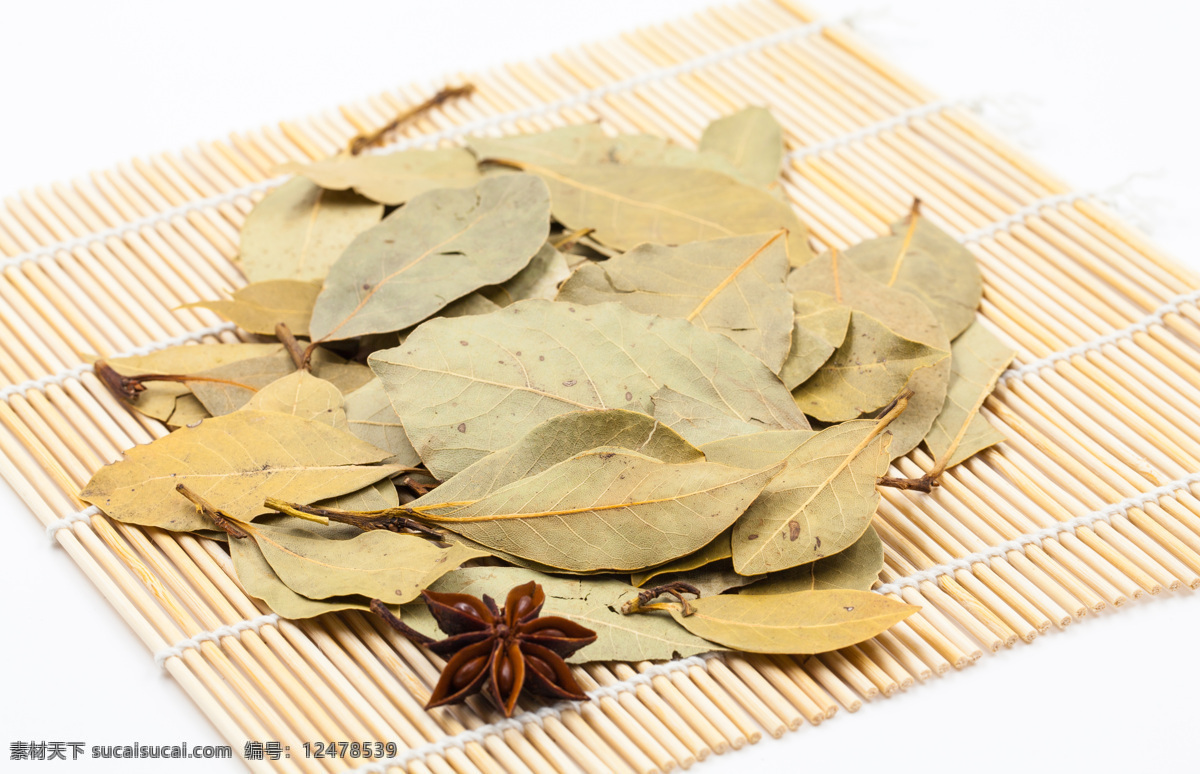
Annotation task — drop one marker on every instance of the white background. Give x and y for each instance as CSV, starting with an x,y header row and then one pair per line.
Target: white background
x,y
85,85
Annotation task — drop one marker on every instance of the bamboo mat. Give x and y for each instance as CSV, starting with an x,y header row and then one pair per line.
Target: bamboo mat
x,y
1089,504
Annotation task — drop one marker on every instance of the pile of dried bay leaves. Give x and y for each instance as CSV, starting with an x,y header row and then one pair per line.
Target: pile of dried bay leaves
x,y
600,362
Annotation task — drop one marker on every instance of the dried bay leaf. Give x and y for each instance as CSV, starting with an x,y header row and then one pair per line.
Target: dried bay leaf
x,y
159,399
576,144
376,497
653,151
469,386
188,411
303,395
634,510
235,462
239,381
260,306
375,564
628,205
718,577
801,622
261,582
906,316
371,417
695,420
540,279
865,373
819,328
714,551
752,140
759,450
440,246
592,602
921,259
856,567
821,503
561,438
298,230
732,286
392,178
977,360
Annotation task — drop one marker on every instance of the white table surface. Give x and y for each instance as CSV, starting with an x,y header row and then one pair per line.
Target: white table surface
x,y
90,84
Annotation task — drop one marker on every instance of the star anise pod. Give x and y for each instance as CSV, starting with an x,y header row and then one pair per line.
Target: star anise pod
x,y
504,651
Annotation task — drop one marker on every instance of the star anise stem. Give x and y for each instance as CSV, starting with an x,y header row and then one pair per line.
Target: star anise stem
x,y
381,610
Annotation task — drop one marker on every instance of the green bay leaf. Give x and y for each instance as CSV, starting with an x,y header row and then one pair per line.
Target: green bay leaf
x,y
752,140
855,567
260,306
819,328
469,386
439,247
821,503
732,286
298,230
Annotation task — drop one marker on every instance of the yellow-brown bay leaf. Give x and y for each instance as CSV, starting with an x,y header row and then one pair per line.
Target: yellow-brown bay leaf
x,y
440,246
188,411
821,503
906,316
303,395
856,567
819,328
977,360
392,178
375,564
801,622
234,384
920,258
298,230
752,140
634,510
260,306
714,551
868,370
732,286
469,386
592,602
158,399
628,205
371,417
235,462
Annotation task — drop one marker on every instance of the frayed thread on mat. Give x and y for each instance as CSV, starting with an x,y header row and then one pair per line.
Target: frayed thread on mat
x,y
1021,543
537,717
80,370
232,630
872,130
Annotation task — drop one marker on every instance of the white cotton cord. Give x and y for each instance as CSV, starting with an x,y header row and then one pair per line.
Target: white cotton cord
x,y
65,523
1157,317
79,370
873,130
137,225
452,133
1021,543
1021,215
538,717
232,630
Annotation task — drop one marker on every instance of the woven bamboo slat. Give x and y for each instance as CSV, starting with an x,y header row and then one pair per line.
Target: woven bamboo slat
x,y
1090,503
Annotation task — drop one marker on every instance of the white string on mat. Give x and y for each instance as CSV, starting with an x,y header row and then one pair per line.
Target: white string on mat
x,y
65,523
454,132
886,125
538,717
136,225
232,630
1020,543
1157,317
79,370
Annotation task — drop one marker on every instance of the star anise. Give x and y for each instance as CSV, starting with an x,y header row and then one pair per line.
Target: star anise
x,y
504,651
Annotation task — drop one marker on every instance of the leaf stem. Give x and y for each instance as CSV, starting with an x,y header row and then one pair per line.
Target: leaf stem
x,y
390,519
299,356
223,520
368,139
381,610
